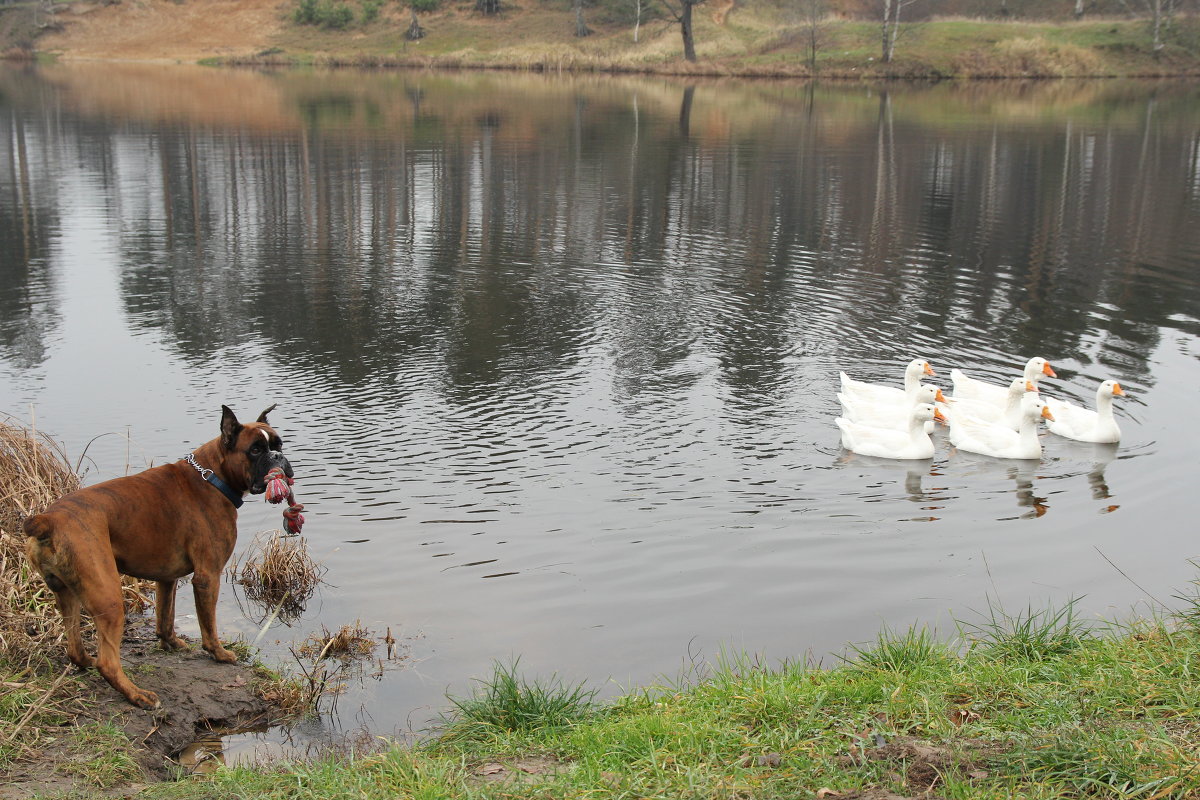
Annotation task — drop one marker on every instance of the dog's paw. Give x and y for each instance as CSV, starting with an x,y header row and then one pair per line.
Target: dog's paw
x,y
224,656
173,643
143,698
83,661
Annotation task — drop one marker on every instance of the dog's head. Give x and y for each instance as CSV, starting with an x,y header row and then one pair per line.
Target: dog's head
x,y
251,450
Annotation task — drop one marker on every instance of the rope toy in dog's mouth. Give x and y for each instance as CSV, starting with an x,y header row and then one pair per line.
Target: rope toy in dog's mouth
x,y
279,488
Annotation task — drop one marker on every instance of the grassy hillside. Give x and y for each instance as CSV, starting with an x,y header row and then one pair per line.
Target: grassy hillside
x,y
755,37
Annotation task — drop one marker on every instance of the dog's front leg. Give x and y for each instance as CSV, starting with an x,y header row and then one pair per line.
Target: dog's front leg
x,y
205,587
165,607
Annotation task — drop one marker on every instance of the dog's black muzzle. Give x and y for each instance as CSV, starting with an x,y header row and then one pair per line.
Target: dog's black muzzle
x,y
267,462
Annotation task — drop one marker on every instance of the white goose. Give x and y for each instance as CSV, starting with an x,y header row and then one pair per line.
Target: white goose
x,y
913,443
975,389
975,436
1009,414
879,393
1084,425
889,414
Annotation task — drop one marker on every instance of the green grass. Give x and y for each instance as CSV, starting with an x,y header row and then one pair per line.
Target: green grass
x,y
509,703
100,755
1031,704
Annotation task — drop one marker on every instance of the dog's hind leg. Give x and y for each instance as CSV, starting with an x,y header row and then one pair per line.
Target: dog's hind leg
x,y
71,608
110,626
205,587
165,608
99,587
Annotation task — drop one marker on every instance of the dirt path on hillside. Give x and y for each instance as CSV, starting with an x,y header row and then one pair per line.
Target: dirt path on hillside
x,y
162,30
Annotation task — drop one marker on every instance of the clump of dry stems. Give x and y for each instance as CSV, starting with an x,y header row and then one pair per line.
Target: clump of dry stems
x,y
34,472
278,574
350,642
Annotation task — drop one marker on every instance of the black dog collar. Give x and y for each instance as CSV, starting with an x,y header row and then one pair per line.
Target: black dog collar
x,y
212,478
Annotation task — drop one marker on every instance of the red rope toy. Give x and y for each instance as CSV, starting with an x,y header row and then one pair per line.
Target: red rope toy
x,y
279,488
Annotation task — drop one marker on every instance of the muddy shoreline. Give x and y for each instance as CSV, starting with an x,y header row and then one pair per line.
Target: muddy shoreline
x,y
199,696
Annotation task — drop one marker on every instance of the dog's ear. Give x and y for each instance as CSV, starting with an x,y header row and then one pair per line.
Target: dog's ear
x,y
230,428
263,416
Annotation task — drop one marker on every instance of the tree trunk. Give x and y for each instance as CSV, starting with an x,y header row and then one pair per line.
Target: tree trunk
x,y
685,27
637,22
1078,9
581,28
685,112
889,8
488,6
414,31
1156,9
814,14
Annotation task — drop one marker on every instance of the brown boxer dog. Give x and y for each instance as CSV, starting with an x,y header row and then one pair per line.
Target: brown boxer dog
x,y
161,525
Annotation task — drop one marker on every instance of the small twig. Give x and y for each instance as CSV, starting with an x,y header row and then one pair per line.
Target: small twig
x,y
34,708
1131,580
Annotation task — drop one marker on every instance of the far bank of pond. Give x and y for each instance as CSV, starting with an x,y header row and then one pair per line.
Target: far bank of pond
x,y
749,40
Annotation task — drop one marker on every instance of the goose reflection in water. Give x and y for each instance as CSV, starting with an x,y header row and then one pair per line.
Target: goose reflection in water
x,y
1102,455
1022,475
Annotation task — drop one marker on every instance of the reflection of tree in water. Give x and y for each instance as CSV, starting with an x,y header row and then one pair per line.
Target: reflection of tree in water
x,y
395,229
27,220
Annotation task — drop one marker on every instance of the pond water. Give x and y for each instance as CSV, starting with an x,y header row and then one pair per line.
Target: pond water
x,y
555,358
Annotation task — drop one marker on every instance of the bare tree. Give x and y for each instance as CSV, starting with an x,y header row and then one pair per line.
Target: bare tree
x,y
415,31
683,15
891,26
1161,13
488,6
581,28
813,29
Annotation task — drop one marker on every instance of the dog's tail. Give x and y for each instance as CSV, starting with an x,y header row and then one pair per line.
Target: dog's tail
x,y
38,527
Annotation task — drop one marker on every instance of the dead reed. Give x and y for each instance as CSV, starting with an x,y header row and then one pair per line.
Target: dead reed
x,y
350,643
34,472
279,574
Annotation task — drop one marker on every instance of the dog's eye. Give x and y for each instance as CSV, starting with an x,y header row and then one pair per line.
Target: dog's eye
x,y
256,449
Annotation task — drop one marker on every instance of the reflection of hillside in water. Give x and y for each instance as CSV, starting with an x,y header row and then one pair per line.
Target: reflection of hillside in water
x,y
505,224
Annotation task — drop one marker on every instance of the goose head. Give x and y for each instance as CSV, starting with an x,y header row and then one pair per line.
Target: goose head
x,y
927,393
918,367
924,412
1019,386
1038,367
1033,408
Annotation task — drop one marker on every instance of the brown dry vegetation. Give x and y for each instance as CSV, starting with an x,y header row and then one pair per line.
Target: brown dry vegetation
x,y
160,30
34,471
278,574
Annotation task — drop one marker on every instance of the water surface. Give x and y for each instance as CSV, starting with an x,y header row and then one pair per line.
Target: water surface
x,y
555,358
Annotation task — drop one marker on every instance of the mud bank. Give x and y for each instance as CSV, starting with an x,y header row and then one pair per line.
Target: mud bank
x,y
198,696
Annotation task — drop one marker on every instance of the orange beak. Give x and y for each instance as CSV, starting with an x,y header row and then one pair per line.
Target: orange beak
x,y
938,415
1046,370
929,369
1046,413
1030,386
1116,389
941,398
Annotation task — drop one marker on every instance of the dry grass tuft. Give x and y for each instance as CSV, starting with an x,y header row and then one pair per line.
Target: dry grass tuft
x,y
34,472
278,574
350,643
1029,57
